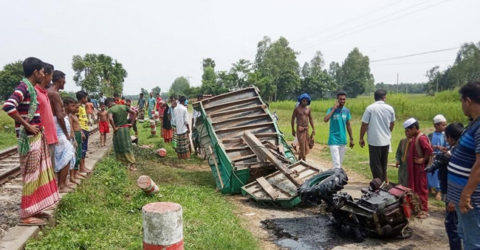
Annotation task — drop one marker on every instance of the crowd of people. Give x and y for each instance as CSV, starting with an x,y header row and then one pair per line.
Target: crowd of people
x,y
447,161
53,133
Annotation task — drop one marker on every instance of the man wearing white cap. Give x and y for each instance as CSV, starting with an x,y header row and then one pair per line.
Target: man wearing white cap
x,y
378,121
418,157
439,143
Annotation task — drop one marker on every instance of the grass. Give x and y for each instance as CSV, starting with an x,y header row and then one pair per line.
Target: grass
x,y
105,212
7,131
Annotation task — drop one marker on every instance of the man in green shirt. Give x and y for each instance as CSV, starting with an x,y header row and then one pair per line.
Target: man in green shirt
x,y
122,144
339,117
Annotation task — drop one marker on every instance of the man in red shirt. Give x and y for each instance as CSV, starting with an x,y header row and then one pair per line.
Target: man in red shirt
x,y
46,110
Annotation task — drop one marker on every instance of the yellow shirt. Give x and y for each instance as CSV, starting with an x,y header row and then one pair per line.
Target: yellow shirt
x,y
82,118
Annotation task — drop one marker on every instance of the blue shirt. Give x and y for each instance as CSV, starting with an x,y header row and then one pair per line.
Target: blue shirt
x,y
338,126
461,163
151,103
141,103
438,139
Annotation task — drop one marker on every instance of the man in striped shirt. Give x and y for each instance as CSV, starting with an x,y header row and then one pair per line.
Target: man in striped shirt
x,y
39,187
464,170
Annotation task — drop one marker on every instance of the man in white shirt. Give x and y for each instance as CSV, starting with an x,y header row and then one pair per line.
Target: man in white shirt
x,y
182,129
378,121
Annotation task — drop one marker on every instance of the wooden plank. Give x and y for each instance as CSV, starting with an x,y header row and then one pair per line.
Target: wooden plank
x,y
216,165
243,157
259,125
243,118
233,111
232,103
265,154
268,188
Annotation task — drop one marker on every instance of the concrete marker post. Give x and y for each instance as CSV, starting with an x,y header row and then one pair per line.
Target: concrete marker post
x,y
162,226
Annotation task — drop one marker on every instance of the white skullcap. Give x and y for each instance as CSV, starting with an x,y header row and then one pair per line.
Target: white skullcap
x,y
409,122
439,118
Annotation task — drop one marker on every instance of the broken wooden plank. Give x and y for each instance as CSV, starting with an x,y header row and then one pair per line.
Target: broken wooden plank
x,y
265,154
243,157
268,188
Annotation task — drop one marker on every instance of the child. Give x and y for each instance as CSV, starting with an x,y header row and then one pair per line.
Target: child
x,y
83,120
64,151
452,133
103,126
401,156
71,111
438,143
130,117
89,109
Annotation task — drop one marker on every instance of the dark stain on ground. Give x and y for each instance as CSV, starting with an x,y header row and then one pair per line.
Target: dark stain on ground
x,y
316,232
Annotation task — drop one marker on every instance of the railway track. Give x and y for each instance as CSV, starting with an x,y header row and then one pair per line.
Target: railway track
x,y
10,164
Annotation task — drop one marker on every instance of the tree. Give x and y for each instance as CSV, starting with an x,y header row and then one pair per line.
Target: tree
x,y
179,87
208,62
279,64
98,73
317,63
355,74
156,90
305,70
239,72
209,79
262,47
316,81
145,92
10,76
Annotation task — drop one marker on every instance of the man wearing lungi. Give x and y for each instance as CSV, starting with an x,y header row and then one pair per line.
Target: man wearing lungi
x,y
303,115
39,187
122,143
182,129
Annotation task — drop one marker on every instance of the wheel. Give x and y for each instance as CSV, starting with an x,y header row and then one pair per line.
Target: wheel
x,y
323,185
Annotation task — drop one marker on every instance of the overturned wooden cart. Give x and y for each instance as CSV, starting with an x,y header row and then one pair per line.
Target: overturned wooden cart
x,y
220,130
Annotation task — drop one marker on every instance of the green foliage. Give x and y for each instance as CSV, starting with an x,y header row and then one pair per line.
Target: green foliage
x,y
106,211
355,73
316,81
98,73
10,76
156,90
407,88
465,68
279,64
7,131
179,87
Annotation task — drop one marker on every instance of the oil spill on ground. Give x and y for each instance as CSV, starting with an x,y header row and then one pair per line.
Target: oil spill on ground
x,y
316,232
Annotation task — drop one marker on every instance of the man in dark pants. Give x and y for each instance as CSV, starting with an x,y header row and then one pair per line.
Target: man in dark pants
x,y
378,121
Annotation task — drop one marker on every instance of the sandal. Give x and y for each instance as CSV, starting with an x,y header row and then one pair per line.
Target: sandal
x,y
32,221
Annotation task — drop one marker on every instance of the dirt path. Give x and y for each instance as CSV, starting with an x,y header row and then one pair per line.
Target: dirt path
x,y
427,234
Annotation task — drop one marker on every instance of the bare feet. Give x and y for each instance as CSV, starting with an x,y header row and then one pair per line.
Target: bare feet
x,y
73,180
132,167
31,221
64,190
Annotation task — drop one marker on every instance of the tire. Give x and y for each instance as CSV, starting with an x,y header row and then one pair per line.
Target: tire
x,y
323,186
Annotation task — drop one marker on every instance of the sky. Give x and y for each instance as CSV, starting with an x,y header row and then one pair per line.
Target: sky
x,y
157,41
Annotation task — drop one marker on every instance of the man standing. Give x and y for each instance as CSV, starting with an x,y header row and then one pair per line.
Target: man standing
x,y
141,108
303,115
122,144
339,117
39,187
418,156
464,170
151,106
378,121
183,129
46,110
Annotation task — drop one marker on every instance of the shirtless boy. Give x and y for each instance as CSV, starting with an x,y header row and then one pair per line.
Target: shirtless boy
x,y
103,126
303,115
70,109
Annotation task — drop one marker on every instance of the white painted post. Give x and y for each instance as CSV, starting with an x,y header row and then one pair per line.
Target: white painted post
x,y
147,184
162,226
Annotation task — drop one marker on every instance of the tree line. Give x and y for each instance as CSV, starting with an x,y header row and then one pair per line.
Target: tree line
x,y
276,72
465,68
